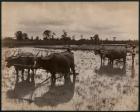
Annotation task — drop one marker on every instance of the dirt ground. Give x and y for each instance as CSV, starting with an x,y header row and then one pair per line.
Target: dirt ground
x,y
95,88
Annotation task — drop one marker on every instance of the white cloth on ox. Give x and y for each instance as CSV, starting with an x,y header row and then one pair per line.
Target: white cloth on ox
x,y
25,54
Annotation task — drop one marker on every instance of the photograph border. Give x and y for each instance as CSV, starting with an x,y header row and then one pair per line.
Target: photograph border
x,y
59,1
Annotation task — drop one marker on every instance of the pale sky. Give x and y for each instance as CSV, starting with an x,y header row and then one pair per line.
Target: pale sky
x,y
108,19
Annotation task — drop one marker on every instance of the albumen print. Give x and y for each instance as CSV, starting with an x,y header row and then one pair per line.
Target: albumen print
x,y
70,56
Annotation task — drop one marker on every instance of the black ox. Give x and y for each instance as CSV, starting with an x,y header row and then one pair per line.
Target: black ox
x,y
60,63
20,63
112,55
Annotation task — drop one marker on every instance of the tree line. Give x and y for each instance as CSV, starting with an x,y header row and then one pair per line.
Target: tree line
x,y
50,38
49,35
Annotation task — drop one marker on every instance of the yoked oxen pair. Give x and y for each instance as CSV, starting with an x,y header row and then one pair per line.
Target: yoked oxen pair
x,y
112,55
60,63
21,62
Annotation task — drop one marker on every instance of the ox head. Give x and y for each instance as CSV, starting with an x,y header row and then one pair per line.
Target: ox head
x,y
37,60
7,61
96,51
10,61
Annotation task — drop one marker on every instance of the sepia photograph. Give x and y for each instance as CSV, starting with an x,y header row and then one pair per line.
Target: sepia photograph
x,y
70,56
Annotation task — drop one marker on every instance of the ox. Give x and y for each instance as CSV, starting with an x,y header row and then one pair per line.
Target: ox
x,y
116,55
57,63
20,63
112,54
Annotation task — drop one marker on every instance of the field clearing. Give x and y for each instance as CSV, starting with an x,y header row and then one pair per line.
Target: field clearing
x,y
92,90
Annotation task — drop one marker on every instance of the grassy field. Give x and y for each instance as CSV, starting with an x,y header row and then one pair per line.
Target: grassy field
x,y
92,90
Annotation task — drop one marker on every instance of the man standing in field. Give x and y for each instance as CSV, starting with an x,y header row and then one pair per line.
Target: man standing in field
x,y
133,56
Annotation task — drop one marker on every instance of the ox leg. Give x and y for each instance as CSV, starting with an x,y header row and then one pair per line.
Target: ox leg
x,y
112,63
17,77
124,63
74,78
108,61
67,78
101,60
32,77
22,75
28,77
73,70
74,75
53,79
124,60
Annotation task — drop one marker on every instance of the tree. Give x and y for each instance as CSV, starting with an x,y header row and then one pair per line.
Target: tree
x,y
47,34
25,36
106,39
81,37
19,35
73,37
91,38
37,38
31,37
53,34
96,38
114,38
65,37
